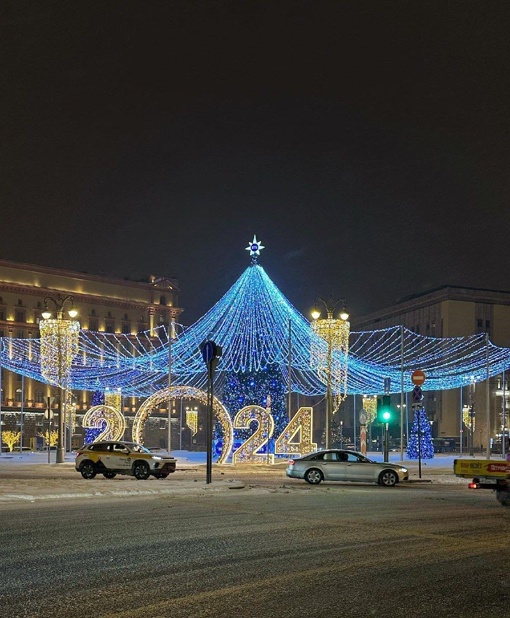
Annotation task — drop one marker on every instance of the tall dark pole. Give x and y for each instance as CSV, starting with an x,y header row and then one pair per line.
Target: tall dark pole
x,y
211,354
328,395
48,416
503,418
21,419
487,401
386,455
401,393
208,425
419,444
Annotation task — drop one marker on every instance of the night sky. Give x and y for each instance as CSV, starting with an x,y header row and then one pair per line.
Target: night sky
x,y
366,144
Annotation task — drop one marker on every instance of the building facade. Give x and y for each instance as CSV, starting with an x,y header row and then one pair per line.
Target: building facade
x,y
453,311
103,305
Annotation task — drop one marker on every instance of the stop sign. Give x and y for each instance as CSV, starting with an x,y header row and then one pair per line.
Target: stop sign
x,y
418,377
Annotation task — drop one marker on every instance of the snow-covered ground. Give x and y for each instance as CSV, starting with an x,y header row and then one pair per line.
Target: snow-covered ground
x,y
40,457
28,477
193,457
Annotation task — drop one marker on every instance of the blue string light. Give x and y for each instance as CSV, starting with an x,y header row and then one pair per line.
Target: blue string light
x,y
251,323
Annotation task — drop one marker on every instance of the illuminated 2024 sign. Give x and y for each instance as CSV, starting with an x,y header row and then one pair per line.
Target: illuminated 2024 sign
x,y
296,437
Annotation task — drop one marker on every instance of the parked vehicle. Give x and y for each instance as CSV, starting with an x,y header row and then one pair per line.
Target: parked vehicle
x,y
486,474
112,458
342,465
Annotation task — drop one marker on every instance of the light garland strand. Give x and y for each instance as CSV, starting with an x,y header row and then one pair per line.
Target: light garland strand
x,y
251,323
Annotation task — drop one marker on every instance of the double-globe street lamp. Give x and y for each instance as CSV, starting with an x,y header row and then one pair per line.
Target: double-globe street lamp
x,y
332,369
59,345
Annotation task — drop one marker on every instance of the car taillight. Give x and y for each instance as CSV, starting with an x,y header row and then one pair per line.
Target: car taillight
x,y
474,486
79,453
290,462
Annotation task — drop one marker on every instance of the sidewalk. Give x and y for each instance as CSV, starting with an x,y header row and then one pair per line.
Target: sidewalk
x,y
28,477
193,457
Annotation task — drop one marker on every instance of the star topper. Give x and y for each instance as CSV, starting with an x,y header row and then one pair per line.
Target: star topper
x,y
255,247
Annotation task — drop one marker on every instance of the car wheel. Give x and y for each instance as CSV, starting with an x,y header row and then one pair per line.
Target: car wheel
x,y
503,496
141,470
88,470
109,475
313,476
388,478
161,475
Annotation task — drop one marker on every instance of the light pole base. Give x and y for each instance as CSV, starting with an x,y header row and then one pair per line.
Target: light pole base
x,y
61,453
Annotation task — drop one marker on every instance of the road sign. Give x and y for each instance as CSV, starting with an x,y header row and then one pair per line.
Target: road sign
x,y
362,416
417,394
208,351
418,377
48,415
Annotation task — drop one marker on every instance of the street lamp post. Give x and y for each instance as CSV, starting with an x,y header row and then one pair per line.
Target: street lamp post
x,y
59,345
336,335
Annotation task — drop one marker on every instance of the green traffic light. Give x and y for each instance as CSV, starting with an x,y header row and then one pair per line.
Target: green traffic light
x,y
385,413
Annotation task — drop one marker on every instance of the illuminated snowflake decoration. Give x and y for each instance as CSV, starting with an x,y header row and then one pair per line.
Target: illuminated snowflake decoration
x,y
255,247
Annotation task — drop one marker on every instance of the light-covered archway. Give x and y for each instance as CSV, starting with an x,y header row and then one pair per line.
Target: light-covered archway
x,y
185,392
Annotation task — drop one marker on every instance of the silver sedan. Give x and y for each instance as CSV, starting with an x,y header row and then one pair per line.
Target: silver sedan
x,y
340,465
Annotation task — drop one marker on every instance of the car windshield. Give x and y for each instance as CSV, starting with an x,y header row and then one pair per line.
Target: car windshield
x,y
353,456
345,456
137,448
367,459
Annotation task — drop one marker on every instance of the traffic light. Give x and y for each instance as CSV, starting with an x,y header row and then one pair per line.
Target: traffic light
x,y
384,410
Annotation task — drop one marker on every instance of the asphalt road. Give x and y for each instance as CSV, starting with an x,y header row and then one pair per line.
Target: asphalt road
x,y
283,549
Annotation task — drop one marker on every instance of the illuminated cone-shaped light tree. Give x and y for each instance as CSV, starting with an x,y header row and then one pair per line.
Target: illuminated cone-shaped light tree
x,y
262,384
420,441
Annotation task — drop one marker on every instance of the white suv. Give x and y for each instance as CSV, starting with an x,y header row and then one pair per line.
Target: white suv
x,y
112,458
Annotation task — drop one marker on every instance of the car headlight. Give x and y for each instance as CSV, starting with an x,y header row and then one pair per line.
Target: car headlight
x,y
156,457
403,469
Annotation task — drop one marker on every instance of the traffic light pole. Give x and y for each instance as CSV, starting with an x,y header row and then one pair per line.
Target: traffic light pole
x,y
210,353
386,440
208,426
387,403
